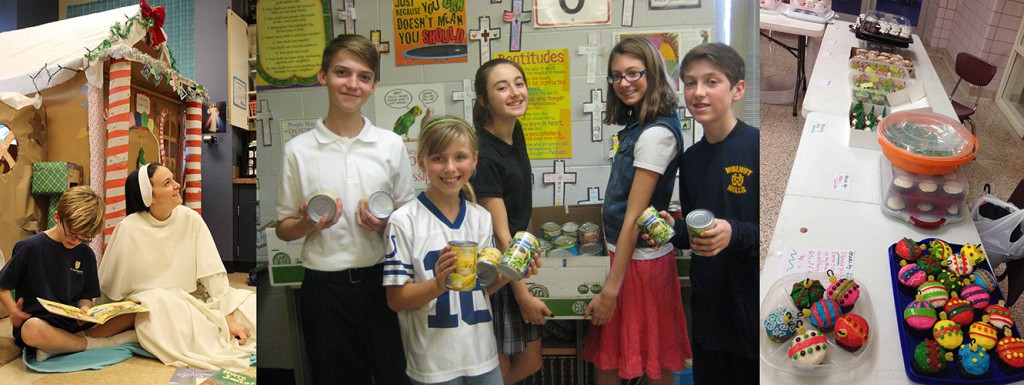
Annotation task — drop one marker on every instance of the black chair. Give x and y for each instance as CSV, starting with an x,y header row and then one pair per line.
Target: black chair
x,y
976,71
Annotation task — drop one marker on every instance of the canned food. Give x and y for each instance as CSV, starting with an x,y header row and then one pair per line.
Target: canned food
x,y
592,249
571,229
590,233
517,258
559,253
655,226
566,242
380,204
464,276
675,210
487,266
322,205
698,221
545,247
551,230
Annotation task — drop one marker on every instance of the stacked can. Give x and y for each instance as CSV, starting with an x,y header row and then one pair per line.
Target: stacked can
x,y
321,205
590,239
551,230
545,247
655,226
698,221
675,210
571,229
464,276
566,242
517,257
487,266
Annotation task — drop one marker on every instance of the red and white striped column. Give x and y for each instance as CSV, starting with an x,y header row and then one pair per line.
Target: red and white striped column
x,y
194,155
119,116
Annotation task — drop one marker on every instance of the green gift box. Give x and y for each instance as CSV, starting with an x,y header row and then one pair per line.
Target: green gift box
x,y
52,179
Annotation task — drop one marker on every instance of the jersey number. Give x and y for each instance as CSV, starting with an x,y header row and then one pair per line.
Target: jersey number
x,y
443,317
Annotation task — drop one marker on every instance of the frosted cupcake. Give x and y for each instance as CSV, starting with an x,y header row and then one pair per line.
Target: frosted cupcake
x,y
780,325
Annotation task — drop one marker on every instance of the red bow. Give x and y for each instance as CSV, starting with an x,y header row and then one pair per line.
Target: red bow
x,y
157,14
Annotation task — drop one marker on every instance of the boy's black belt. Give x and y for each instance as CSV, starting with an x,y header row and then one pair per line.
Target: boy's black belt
x,y
354,276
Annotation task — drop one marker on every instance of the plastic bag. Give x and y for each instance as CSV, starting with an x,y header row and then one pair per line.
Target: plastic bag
x,y
996,233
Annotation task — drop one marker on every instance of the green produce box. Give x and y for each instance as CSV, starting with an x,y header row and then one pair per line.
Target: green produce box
x,y
285,260
568,284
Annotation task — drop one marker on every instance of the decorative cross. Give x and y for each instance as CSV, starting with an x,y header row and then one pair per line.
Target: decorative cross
x,y
263,117
467,96
596,109
382,46
484,36
559,178
593,196
592,49
517,17
348,15
682,105
627,13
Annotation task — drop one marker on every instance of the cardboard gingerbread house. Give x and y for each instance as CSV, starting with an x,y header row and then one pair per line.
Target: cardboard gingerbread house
x,y
100,94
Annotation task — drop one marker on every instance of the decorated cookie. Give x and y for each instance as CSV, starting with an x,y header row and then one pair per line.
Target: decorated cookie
x,y
919,315
951,281
934,293
930,358
1010,351
947,333
985,279
806,292
978,296
851,332
999,315
844,292
940,249
973,252
808,349
910,277
823,314
780,324
972,361
959,264
907,249
983,333
959,310
932,264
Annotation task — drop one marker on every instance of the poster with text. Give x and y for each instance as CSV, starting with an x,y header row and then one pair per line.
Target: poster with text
x,y
430,32
401,109
559,13
547,124
293,34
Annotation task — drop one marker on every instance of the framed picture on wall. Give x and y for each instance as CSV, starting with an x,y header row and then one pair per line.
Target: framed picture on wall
x,y
213,118
669,4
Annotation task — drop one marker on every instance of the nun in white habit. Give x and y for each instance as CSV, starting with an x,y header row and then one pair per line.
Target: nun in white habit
x,y
163,256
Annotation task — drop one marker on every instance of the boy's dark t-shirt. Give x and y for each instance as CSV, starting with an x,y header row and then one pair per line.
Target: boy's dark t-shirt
x,y
725,178
503,171
42,267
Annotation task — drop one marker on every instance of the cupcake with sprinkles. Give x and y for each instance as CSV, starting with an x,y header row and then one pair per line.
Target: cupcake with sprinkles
x,y
808,349
973,252
851,332
1010,351
909,250
780,325
977,295
972,361
934,293
953,282
844,292
985,279
983,333
947,333
919,316
805,293
910,277
939,249
959,264
930,358
823,314
932,264
999,315
959,310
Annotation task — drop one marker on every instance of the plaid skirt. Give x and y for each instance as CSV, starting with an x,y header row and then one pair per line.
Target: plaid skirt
x,y
510,331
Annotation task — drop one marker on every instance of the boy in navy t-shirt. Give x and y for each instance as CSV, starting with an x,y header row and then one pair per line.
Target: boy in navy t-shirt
x,y
58,265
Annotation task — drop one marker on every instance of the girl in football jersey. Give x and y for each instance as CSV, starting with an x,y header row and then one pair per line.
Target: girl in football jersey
x,y
447,334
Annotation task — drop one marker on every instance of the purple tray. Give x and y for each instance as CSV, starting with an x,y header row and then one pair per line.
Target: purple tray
x,y
908,342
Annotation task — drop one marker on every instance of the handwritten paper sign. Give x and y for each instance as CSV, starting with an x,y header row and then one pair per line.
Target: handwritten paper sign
x,y
818,128
841,182
803,259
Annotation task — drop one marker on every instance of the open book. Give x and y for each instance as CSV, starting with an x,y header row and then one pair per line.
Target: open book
x,y
97,314
227,377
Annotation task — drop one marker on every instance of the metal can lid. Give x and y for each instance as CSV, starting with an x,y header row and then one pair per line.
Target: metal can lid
x,y
559,253
545,244
674,206
588,227
462,243
699,218
550,226
593,249
510,272
570,227
486,273
321,205
564,242
381,204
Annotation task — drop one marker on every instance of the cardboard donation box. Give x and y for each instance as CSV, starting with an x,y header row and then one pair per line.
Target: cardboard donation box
x,y
285,260
568,284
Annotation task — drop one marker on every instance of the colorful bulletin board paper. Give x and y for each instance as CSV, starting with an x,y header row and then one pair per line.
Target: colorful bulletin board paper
x,y
562,13
293,34
401,109
547,123
803,259
430,32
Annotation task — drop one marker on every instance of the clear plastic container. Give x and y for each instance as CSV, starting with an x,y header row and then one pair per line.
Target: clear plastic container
x,y
869,96
926,201
876,82
926,143
837,360
886,28
878,68
878,109
771,5
817,6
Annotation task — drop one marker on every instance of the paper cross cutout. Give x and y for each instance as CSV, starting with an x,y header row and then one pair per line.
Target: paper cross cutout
x,y
517,17
467,96
559,178
596,109
348,15
263,117
484,35
593,196
592,49
382,46
627,13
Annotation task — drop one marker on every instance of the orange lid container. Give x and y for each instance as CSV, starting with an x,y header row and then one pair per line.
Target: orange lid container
x,y
926,143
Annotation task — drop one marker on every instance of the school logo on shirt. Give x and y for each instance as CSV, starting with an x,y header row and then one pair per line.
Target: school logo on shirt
x,y
737,176
77,268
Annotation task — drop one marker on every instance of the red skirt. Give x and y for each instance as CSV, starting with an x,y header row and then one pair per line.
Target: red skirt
x,y
647,332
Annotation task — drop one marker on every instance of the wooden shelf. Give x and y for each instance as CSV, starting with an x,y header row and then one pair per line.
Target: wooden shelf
x,y
243,180
558,348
